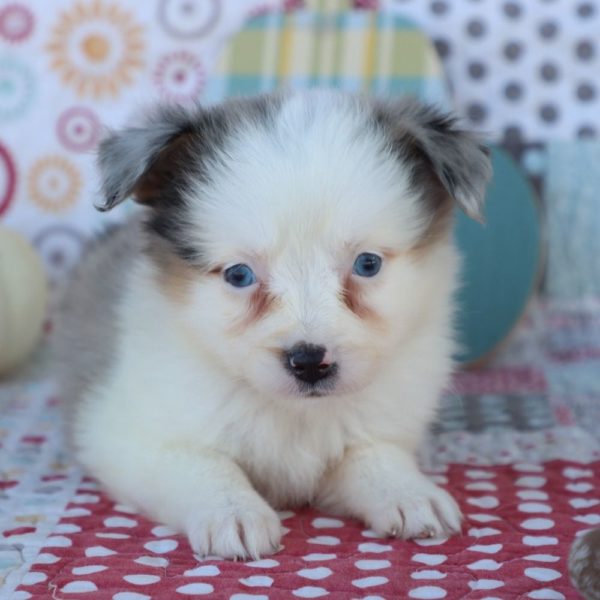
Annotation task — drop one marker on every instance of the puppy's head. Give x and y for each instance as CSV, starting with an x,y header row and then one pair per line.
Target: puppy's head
x,y
303,238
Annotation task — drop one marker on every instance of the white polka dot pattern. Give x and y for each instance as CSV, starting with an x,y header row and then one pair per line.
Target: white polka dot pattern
x,y
514,544
119,522
88,569
257,581
196,589
316,573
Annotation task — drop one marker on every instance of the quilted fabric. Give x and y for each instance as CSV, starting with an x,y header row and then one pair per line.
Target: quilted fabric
x,y
501,430
520,522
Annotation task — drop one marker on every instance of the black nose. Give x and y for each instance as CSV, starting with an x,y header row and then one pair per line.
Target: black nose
x,y
306,362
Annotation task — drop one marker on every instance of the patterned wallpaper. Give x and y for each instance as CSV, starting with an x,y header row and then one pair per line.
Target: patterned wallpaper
x,y
528,69
68,69
524,72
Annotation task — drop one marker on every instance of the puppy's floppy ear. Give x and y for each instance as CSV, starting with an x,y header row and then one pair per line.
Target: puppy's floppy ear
x,y
458,159
145,161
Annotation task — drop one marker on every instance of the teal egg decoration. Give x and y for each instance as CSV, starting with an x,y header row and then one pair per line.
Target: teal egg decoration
x,y
502,261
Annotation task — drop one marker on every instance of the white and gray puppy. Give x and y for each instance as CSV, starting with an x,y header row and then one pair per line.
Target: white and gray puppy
x,y
277,327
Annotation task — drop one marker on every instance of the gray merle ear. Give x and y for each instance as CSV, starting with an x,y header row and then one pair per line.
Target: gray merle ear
x,y
147,161
457,158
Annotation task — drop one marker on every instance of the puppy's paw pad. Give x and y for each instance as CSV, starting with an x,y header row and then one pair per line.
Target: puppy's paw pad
x,y
417,509
244,532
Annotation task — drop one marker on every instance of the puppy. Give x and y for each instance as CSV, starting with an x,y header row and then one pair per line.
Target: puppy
x,y
275,327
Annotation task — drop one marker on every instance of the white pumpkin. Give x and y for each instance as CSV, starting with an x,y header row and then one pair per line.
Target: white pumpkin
x,y
23,296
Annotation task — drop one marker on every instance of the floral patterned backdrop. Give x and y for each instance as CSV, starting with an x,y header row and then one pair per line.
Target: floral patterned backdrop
x,y
70,68
524,72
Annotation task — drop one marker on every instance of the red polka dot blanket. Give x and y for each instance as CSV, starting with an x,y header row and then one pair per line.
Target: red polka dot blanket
x,y
520,521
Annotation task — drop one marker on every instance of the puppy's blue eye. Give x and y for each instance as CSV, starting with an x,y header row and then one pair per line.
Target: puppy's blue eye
x,y
367,265
240,276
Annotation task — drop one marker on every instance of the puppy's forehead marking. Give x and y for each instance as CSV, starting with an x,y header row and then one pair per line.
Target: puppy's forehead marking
x,y
319,174
227,179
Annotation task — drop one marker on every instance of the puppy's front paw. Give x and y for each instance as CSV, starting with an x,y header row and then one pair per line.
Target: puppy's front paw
x,y
246,528
413,507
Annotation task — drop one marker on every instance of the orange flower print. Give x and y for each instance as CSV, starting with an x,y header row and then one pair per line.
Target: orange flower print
x,y
96,48
53,183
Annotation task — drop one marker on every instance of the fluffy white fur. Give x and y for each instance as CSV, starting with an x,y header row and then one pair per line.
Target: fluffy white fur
x,y
195,420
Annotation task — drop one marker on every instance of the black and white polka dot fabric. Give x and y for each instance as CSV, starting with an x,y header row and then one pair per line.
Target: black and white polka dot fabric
x,y
520,69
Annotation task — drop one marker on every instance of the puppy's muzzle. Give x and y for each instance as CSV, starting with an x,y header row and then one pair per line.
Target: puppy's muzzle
x,y
308,363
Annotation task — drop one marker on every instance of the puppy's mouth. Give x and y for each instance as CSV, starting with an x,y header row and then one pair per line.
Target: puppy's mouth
x,y
318,389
